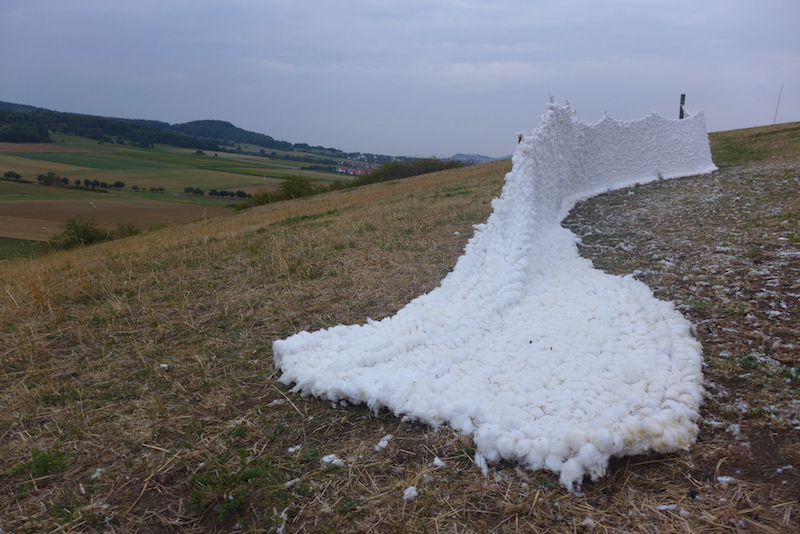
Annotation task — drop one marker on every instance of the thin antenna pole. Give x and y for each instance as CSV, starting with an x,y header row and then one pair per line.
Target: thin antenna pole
x,y
779,103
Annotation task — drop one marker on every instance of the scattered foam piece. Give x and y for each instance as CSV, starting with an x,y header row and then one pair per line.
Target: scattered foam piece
x,y
410,493
384,442
333,459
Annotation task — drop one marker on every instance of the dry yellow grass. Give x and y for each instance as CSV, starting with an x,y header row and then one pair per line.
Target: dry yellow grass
x,y
138,392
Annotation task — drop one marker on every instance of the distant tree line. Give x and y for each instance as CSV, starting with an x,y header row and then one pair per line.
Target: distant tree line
x,y
302,159
395,170
319,168
52,178
152,189
216,193
233,194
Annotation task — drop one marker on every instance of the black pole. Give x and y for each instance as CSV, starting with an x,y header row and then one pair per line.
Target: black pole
x,y
683,101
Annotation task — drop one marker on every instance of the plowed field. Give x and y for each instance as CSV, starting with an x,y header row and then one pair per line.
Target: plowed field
x,y
42,219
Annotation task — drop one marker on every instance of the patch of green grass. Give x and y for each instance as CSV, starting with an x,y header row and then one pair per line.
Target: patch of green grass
x,y
224,489
60,397
749,363
464,453
43,463
20,248
732,151
115,392
754,144
351,507
453,191
289,221
543,483
792,374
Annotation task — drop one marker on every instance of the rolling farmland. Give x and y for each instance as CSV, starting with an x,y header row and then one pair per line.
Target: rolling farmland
x,y
155,181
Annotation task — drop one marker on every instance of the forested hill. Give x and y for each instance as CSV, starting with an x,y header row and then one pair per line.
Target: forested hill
x,y
28,124
219,132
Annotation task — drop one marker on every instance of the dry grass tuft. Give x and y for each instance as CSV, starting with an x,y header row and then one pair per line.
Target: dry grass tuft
x,y
138,393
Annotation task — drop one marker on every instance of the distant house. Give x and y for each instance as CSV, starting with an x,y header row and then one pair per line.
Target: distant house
x,y
355,170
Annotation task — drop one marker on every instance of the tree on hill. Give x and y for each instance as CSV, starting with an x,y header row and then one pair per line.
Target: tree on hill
x,y
50,178
297,187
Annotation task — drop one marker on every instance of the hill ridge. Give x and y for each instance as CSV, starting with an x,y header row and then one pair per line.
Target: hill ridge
x,y
26,123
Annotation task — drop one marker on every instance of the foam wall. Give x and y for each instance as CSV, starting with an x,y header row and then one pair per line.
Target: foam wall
x,y
545,360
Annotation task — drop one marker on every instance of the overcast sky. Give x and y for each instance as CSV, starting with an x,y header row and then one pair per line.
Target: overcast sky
x,y
403,77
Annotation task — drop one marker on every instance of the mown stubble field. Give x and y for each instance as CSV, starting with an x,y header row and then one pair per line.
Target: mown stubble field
x,y
138,392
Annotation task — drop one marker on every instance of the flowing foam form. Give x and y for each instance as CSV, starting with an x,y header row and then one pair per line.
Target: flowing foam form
x,y
545,360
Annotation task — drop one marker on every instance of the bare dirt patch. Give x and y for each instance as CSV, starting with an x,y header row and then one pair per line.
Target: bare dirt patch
x,y
41,219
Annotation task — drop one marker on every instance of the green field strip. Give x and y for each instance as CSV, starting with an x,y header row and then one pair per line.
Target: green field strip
x,y
20,248
28,166
92,161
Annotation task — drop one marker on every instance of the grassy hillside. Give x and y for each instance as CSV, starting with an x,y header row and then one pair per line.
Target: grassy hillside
x,y
756,144
138,392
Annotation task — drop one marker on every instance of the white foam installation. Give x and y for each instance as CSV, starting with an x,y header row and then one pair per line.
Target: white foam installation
x,y
545,360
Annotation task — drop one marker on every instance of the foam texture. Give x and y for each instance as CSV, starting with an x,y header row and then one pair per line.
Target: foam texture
x,y
545,360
